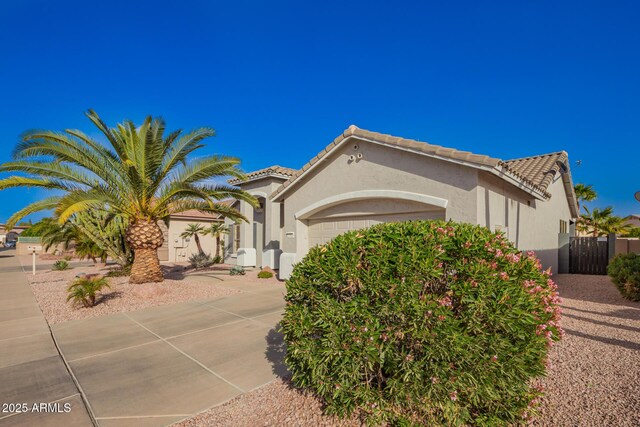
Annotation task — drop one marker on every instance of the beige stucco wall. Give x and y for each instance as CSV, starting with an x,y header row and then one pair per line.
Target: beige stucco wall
x,y
179,249
531,224
260,236
381,168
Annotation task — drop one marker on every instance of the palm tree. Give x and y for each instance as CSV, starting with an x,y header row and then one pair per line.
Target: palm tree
x,y
217,229
584,193
142,175
601,222
192,231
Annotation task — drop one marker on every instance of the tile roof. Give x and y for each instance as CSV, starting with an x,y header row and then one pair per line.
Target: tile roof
x,y
535,173
274,170
539,170
196,214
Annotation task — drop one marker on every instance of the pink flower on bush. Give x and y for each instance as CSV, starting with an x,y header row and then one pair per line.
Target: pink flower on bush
x,y
504,275
434,380
467,244
453,395
494,358
445,302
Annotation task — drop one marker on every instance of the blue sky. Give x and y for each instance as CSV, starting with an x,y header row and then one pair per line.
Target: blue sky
x,y
280,80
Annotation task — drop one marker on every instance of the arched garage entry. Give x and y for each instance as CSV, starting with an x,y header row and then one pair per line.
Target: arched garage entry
x,y
328,218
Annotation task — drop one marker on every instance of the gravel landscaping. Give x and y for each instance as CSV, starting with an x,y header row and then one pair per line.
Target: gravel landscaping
x,y
180,285
594,379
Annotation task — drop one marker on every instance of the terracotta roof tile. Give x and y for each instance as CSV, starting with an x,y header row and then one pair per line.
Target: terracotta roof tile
x,y
262,173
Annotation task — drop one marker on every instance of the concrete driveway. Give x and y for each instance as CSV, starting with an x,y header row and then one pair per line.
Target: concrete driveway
x,y
31,369
156,366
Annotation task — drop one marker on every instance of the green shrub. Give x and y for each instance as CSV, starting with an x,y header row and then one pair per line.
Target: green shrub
x,y
200,260
624,271
421,323
83,290
237,270
218,260
60,265
265,275
67,257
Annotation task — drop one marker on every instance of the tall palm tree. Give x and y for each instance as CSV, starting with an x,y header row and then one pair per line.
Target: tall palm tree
x,y
142,175
193,230
217,229
584,193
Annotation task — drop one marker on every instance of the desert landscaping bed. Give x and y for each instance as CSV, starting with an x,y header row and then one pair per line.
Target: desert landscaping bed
x,y
50,290
594,379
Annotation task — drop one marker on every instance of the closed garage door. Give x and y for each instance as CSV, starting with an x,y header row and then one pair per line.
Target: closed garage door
x,y
323,230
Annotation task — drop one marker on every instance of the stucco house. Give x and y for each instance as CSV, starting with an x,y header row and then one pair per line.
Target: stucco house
x,y
11,236
178,249
632,220
363,178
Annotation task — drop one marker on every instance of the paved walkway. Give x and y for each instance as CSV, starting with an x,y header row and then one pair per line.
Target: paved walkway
x,y
31,369
160,365
151,367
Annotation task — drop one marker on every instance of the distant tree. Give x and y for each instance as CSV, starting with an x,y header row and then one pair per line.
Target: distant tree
x,y
193,230
217,229
584,193
632,232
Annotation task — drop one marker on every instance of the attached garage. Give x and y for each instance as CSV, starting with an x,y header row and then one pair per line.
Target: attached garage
x,y
324,230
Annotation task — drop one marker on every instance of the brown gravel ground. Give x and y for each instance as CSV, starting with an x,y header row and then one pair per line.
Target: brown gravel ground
x,y
594,378
179,285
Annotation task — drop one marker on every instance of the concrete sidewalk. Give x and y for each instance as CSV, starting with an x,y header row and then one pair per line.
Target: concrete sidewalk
x,y
31,369
160,365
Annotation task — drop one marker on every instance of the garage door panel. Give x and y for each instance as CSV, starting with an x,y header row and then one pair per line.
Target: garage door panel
x,y
322,231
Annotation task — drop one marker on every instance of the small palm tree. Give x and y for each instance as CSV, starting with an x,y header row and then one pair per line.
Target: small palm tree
x,y
584,193
84,290
143,175
193,230
217,229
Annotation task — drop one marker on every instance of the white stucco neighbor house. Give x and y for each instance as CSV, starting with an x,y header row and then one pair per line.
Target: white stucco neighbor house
x,y
363,178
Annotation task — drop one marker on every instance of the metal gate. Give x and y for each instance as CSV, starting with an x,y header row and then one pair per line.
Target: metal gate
x,y
588,255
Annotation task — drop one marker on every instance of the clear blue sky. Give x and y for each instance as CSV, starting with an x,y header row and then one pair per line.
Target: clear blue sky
x,y
280,80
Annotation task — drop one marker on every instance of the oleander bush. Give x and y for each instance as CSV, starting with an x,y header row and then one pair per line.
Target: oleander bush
x,y
421,323
83,290
237,270
60,265
200,260
265,275
624,271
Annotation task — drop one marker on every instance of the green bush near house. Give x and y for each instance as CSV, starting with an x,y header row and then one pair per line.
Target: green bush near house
x,y
265,275
421,323
60,265
83,290
237,270
624,271
200,260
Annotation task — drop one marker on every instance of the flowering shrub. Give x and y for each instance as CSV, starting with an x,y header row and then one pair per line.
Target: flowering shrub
x,y
421,323
624,271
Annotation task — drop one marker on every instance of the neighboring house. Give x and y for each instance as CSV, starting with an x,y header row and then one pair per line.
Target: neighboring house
x,y
11,236
176,248
364,178
633,220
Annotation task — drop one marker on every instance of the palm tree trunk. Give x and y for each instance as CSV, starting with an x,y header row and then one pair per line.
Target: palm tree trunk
x,y
217,246
145,237
146,266
195,236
